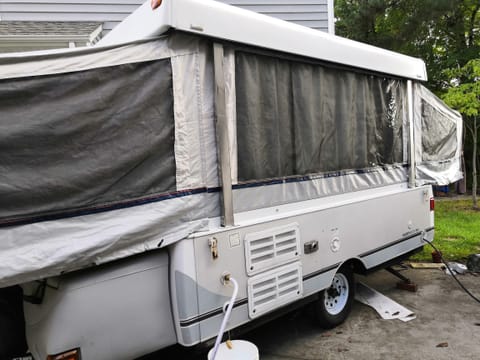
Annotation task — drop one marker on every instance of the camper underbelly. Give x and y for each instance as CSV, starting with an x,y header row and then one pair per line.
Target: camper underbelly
x,y
147,302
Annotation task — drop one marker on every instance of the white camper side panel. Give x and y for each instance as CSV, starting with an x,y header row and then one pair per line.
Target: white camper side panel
x,y
119,310
372,226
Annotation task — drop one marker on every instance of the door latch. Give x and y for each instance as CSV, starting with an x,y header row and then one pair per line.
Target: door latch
x,y
213,243
310,247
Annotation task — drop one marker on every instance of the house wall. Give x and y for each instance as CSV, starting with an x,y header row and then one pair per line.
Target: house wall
x,y
108,12
312,13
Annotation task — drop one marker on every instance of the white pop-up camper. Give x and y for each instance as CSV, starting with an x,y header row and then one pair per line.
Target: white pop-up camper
x,y
200,140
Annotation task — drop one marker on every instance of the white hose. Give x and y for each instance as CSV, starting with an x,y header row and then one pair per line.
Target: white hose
x,y
225,318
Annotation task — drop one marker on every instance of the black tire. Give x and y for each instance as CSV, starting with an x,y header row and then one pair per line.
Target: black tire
x,y
335,303
12,324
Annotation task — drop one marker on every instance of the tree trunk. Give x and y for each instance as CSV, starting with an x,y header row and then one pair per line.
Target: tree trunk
x,y
474,164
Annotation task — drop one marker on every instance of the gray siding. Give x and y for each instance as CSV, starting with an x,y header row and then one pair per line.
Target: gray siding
x,y
108,12
311,13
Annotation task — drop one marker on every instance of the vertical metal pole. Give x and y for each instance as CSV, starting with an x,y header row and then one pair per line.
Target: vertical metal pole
x,y
411,125
330,17
223,146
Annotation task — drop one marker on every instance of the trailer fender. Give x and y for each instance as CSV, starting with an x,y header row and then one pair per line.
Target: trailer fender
x,y
356,264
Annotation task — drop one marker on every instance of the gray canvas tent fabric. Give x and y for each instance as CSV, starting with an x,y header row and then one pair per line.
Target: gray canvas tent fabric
x,y
438,140
105,153
84,141
111,152
307,130
295,118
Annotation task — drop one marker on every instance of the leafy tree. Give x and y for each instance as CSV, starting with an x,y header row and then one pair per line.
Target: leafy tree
x,y
464,95
444,33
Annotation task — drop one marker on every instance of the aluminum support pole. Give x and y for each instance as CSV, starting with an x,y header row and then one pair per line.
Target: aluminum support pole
x,y
411,138
223,144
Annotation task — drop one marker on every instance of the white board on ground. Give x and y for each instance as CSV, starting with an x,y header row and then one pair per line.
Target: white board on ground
x,y
386,307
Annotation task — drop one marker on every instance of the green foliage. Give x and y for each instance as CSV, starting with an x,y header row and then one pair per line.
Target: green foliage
x,y
464,92
457,231
444,33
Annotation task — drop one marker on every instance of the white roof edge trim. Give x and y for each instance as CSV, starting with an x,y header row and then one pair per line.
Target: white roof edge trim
x,y
218,20
143,23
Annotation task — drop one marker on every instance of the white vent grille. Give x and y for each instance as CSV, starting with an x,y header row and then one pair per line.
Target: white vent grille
x,y
270,248
274,288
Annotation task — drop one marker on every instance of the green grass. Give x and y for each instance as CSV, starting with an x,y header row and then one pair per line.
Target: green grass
x,y
457,230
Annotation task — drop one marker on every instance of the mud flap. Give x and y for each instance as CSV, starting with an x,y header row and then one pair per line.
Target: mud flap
x,y
12,324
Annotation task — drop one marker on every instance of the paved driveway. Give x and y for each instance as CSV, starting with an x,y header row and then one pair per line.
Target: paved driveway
x,y
445,315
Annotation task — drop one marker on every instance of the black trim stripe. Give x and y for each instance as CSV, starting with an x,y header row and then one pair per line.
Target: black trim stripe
x,y
218,311
411,236
430,229
321,271
65,214
106,207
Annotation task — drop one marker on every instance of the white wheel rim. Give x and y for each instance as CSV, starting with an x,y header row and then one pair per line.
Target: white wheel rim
x,y
336,295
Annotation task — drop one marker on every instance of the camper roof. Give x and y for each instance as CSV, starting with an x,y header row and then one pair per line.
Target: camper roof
x,y
218,20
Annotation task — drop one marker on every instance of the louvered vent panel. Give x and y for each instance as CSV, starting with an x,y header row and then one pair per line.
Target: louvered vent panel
x,y
274,288
267,249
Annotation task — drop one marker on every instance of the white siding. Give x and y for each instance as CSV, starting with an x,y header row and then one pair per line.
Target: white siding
x,y
312,13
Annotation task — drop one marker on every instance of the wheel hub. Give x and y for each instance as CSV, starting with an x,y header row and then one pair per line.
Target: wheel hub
x,y
336,295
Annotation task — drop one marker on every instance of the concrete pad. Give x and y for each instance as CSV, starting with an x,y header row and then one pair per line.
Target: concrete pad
x,y
387,308
445,314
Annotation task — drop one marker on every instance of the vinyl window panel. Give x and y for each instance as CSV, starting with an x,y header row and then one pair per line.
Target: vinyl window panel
x,y
296,118
87,140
